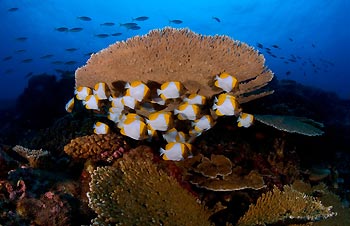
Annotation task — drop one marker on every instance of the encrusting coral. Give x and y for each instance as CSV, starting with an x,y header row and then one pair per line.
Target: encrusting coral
x,y
135,192
193,59
285,207
97,147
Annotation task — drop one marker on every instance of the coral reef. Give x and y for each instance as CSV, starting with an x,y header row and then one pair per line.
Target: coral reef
x,y
135,192
97,147
287,207
168,53
36,158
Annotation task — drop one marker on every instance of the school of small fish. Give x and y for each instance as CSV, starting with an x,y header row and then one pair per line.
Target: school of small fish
x,y
137,113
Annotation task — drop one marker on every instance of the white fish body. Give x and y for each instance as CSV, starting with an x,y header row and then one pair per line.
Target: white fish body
x,y
169,90
70,105
159,121
173,135
137,90
187,111
245,120
91,102
100,90
82,92
225,105
101,128
226,82
175,151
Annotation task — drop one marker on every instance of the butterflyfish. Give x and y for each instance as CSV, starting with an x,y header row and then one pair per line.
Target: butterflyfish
x,y
176,151
160,121
173,135
70,105
195,99
187,111
202,124
129,116
225,104
101,128
226,82
129,101
245,120
115,114
169,90
82,92
100,90
91,102
137,90
134,128
116,102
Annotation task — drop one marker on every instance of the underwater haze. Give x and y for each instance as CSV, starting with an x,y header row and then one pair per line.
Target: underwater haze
x,y
305,41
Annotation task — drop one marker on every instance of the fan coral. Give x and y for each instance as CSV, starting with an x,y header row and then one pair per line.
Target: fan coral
x,y
287,207
97,147
193,59
135,192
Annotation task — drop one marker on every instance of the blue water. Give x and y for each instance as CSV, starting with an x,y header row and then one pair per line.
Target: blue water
x,y
312,36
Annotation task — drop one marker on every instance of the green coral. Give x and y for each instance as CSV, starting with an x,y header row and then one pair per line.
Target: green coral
x,y
135,192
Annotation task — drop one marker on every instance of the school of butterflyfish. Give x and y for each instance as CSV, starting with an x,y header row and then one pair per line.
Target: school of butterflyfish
x,y
190,109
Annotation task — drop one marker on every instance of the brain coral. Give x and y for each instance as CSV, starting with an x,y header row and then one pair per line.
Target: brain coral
x,y
178,54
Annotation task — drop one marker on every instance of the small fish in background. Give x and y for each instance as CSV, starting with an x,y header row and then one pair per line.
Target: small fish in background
x,y
140,18
57,62
71,62
288,73
47,56
8,71
101,128
76,29
27,60
62,29
259,45
70,105
84,18
290,39
102,35
216,19
276,46
71,49
7,58
117,34
176,151
134,28
245,120
14,9
128,25
108,24
20,51
175,21
313,45
268,49
29,74
21,39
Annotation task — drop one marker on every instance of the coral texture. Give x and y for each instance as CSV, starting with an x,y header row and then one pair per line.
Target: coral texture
x,y
97,147
285,207
165,54
36,158
135,192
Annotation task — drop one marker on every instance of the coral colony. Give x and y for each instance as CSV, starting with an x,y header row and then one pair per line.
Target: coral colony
x,y
142,113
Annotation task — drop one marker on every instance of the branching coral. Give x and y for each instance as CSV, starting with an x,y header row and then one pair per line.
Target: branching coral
x,y
285,207
36,158
135,192
97,147
193,59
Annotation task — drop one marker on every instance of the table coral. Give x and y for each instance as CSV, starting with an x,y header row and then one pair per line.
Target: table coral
x,y
135,192
193,59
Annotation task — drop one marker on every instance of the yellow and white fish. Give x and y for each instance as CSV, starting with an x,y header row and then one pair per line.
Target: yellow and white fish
x,y
82,92
101,128
137,90
176,151
226,82
160,121
115,114
169,90
100,90
134,128
116,102
245,120
70,105
225,104
195,99
91,102
173,135
158,100
202,124
129,101
187,111
129,116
